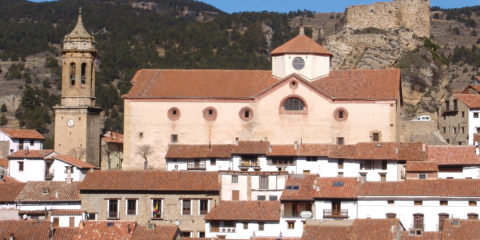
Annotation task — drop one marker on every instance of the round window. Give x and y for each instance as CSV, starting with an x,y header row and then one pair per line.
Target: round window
x,y
298,63
174,113
246,113
340,114
210,113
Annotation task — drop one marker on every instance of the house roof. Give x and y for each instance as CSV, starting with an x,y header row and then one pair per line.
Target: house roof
x,y
30,154
120,180
74,161
299,188
471,100
305,150
361,229
453,155
421,166
160,232
8,179
106,230
424,236
24,229
112,137
380,151
380,84
465,229
4,162
251,147
10,191
338,188
66,212
22,133
65,233
198,151
300,44
49,191
254,211
434,187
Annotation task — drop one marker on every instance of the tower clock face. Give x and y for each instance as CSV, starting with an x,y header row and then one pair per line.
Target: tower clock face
x,y
298,63
70,122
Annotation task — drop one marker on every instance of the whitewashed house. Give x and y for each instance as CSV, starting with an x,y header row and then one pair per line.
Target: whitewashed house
x,y
8,195
243,220
65,168
29,165
456,161
12,140
421,205
243,186
199,157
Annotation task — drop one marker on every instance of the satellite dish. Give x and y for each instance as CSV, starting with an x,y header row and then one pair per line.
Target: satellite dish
x,y
24,216
306,214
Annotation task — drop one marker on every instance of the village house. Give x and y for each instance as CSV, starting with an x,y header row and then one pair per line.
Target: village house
x,y
12,140
299,100
151,197
8,195
112,150
248,186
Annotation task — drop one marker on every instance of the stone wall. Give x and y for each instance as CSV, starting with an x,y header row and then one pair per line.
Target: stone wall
x,y
411,14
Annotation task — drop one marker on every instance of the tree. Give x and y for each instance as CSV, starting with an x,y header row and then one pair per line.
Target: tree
x,y
145,151
4,108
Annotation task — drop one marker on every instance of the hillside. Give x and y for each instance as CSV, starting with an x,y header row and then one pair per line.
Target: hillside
x,y
138,34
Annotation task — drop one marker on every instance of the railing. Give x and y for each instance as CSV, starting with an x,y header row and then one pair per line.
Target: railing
x,y
222,229
197,165
249,164
330,213
214,229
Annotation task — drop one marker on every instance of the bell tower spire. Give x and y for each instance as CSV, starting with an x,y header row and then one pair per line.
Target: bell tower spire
x,y
77,121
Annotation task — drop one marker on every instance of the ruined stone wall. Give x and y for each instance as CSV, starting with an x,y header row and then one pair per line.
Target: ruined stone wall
x,y
411,14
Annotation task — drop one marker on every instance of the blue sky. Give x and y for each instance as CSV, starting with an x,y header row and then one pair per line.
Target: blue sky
x,y
314,5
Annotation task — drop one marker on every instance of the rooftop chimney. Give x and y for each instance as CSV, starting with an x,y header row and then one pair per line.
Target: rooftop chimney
x,y
295,145
424,147
477,152
302,31
69,174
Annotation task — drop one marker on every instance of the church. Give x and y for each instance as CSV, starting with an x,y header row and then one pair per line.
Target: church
x,y
300,100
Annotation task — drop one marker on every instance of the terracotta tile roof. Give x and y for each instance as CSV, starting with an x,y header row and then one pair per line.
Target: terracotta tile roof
x,y
338,188
466,229
359,229
112,137
150,181
74,161
4,162
365,84
299,188
471,100
34,192
10,191
453,155
304,150
22,133
66,212
255,211
473,87
30,154
421,166
198,151
24,229
424,236
434,187
301,44
412,151
8,179
160,232
180,83
342,151
380,151
251,147
68,233
476,137
106,230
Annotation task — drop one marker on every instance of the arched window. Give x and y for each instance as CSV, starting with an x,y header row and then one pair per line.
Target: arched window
x,y
72,74
294,104
82,76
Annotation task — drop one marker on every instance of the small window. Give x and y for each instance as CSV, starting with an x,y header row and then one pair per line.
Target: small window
x,y
32,142
418,203
383,177
376,136
261,226
472,203
447,105
131,207
203,206
463,114
443,203
311,159
201,234
245,225
234,178
173,113
72,74
261,198
185,234
263,182
340,140
246,113
113,208
472,216
156,208
213,161
444,129
293,104
391,202
384,164
174,138
454,129
422,176
20,166
272,198
210,114
340,114
291,224
83,76
186,207
340,163
475,115
391,215
463,129
455,105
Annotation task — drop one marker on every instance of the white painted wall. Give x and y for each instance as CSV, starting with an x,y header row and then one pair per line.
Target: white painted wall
x,y
473,124
271,229
320,205
182,164
405,208
33,169
48,206
59,172
64,221
467,172
315,66
14,143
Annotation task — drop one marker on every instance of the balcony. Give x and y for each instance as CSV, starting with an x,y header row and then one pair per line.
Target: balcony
x,y
222,229
196,166
244,165
338,214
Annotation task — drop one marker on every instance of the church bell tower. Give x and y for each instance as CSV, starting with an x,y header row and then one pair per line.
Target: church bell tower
x,y
77,121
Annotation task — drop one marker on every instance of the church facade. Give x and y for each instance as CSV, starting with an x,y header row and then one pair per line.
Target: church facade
x,y
299,101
